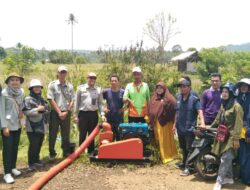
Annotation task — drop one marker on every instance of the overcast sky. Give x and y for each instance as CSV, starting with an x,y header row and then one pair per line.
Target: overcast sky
x,y
42,23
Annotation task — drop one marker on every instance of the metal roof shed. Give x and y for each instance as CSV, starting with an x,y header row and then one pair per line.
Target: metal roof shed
x,y
185,61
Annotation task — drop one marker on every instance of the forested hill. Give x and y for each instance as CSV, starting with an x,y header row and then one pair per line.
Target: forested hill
x,y
241,47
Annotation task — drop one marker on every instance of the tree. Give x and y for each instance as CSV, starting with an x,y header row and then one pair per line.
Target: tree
x,y
60,57
192,49
232,65
3,53
161,29
236,67
19,45
122,61
43,55
80,60
211,61
22,60
177,48
72,20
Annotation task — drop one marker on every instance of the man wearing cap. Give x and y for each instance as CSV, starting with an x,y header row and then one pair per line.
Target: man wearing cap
x,y
137,96
187,109
89,100
210,100
61,97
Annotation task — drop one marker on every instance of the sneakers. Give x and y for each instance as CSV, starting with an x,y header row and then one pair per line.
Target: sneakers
x,y
228,181
217,186
16,172
186,172
8,179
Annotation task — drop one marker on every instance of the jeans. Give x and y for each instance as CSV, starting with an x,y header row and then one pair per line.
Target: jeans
x,y
226,166
10,150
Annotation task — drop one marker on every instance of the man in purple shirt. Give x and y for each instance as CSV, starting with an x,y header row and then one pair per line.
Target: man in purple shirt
x,y
211,100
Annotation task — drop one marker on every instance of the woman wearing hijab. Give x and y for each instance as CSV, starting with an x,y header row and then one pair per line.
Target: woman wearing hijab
x,y
229,122
13,99
36,110
244,153
161,119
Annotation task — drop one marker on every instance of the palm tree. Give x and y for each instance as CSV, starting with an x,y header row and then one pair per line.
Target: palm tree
x,y
72,20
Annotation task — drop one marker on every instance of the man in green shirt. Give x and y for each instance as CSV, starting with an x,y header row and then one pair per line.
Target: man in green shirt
x,y
137,96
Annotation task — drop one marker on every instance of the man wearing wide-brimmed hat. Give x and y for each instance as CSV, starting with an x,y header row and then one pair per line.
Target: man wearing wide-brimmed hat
x,y
13,99
61,97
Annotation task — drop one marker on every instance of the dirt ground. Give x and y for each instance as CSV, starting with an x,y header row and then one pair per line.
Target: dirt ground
x,y
80,176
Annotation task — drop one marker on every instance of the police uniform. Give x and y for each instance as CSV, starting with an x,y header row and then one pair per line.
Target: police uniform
x,y
88,101
63,95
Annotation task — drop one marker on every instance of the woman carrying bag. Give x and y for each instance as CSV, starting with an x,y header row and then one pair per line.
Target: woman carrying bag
x,y
36,110
13,99
229,122
161,119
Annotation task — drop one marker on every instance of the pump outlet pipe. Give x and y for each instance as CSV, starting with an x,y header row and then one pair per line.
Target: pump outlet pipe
x,y
63,164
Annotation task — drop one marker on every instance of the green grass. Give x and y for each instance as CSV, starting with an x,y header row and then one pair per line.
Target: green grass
x,y
47,73
77,75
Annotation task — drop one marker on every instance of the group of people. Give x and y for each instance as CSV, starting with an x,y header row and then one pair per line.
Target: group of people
x,y
219,106
225,107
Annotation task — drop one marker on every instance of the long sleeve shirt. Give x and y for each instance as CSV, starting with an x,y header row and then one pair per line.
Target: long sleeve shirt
x,y
3,123
12,111
233,119
88,99
33,115
210,102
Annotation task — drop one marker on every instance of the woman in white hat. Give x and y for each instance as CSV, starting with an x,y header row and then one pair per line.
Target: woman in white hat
x,y
244,154
36,110
13,99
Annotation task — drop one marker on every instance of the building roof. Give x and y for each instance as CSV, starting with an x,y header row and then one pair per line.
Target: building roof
x,y
183,56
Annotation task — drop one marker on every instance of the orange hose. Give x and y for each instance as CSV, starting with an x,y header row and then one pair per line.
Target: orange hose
x,y
59,167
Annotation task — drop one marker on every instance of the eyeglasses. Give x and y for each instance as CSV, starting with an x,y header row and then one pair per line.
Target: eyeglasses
x,y
159,87
183,86
92,78
215,80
